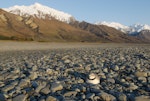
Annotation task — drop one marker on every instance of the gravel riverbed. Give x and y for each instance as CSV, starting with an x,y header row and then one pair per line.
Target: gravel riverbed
x,y
61,74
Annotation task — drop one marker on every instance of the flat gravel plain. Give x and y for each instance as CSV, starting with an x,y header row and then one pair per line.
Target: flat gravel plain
x,y
31,71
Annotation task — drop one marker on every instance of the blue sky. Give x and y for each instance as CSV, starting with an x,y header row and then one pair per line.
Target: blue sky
x,y
126,12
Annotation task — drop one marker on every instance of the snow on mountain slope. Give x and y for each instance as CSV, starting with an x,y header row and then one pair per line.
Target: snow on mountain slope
x,y
40,11
115,25
136,28
139,27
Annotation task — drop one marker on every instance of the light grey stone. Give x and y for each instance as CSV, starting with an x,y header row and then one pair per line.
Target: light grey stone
x,y
67,61
105,70
111,80
21,97
51,98
140,74
80,81
142,98
122,97
142,79
132,86
33,76
56,86
24,83
88,68
40,86
70,93
116,68
49,71
46,90
107,97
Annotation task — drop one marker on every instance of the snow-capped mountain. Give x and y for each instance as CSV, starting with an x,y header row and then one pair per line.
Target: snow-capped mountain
x,y
133,29
40,11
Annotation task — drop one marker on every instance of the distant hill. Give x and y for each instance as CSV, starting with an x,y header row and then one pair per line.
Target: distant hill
x,y
105,33
141,31
144,35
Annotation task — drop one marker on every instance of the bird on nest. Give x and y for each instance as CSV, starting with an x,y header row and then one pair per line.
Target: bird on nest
x,y
93,78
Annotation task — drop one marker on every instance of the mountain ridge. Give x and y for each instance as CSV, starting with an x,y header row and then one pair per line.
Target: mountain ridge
x,y
40,11
14,27
104,32
44,12
132,29
43,23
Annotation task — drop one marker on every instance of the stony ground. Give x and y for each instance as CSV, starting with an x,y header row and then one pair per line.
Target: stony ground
x,y
60,74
